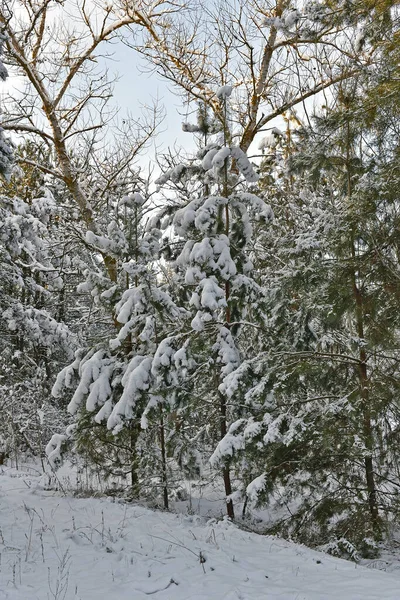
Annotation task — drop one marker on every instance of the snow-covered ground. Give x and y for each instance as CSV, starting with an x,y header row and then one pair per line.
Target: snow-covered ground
x,y
63,548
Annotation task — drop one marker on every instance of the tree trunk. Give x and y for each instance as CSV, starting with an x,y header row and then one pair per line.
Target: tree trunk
x,y
134,430
367,422
226,471
368,433
222,400
164,461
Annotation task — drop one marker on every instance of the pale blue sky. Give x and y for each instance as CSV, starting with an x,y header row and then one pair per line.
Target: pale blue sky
x,y
136,86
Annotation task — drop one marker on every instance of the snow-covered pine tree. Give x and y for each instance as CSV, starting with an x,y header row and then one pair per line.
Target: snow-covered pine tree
x,y
357,320
210,223
33,342
111,377
327,417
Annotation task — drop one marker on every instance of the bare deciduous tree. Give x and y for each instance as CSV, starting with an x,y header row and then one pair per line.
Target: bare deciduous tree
x,y
59,49
276,54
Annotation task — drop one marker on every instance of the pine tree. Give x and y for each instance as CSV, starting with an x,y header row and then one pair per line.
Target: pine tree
x,y
111,377
212,220
34,343
320,439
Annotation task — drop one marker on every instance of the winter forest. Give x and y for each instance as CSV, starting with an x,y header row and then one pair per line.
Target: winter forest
x,y
220,320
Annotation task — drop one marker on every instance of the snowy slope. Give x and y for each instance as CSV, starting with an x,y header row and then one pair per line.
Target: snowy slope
x,y
60,548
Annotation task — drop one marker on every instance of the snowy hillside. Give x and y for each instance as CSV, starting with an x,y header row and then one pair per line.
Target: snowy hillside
x,y
53,547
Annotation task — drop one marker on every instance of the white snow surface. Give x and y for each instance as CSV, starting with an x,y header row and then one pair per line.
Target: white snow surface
x,y
224,92
90,549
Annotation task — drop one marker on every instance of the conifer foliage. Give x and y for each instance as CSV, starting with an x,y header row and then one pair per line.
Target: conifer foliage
x,y
212,227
